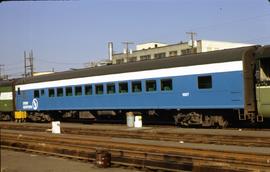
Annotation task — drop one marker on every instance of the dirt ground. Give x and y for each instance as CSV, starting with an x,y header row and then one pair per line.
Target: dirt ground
x,y
13,161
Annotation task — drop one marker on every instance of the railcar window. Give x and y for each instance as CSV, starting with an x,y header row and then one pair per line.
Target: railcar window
x,y
99,89
205,82
151,85
24,95
265,69
78,91
51,92
136,86
42,92
88,90
166,84
36,93
123,87
110,88
69,91
60,92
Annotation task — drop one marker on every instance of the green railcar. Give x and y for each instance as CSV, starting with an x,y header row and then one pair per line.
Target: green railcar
x,y
6,100
263,81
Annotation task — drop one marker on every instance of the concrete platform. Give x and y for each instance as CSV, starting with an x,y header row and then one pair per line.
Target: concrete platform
x,y
13,161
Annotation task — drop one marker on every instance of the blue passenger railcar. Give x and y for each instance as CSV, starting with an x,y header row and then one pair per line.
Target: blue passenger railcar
x,y
204,89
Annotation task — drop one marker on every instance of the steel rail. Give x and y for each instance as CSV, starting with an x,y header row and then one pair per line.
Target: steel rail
x,y
258,141
139,154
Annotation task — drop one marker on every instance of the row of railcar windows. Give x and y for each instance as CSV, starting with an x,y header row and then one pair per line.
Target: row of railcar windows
x,y
136,87
204,82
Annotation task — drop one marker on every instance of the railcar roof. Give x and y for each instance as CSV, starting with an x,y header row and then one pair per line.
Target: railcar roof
x,y
219,56
263,52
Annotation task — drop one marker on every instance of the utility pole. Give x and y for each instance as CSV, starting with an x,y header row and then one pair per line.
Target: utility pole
x,y
127,48
192,35
28,64
2,75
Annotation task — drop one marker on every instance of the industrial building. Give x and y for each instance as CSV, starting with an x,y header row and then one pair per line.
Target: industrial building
x,y
155,50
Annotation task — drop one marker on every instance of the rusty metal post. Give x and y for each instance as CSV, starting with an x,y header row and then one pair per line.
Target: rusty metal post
x,y
103,159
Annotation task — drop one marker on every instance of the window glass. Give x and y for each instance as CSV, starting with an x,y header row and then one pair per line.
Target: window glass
x,y
69,91
265,69
51,92
42,92
132,59
160,55
60,92
145,57
189,51
88,90
123,87
151,85
99,89
110,88
78,91
136,86
119,61
205,82
173,53
166,84
36,93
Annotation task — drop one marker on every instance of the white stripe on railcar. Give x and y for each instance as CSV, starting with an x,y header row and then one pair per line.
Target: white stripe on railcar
x,y
157,73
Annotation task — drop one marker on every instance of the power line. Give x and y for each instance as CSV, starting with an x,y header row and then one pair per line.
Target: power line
x,y
16,74
257,38
228,22
12,68
57,62
14,64
29,0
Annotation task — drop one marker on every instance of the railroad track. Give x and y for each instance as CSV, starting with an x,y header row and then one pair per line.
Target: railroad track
x,y
219,137
150,154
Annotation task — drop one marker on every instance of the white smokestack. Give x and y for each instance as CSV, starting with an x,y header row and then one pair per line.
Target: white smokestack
x,y
110,50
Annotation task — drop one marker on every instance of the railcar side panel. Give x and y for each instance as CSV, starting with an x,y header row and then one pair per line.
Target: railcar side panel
x,y
224,92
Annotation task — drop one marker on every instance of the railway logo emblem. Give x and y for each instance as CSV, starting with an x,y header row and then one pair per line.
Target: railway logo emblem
x,y
35,104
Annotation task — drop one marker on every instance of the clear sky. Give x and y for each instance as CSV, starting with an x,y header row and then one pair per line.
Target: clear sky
x,y
67,34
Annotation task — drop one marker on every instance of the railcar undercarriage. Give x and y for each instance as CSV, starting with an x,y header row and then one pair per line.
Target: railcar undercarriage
x,y
221,118
200,120
5,116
